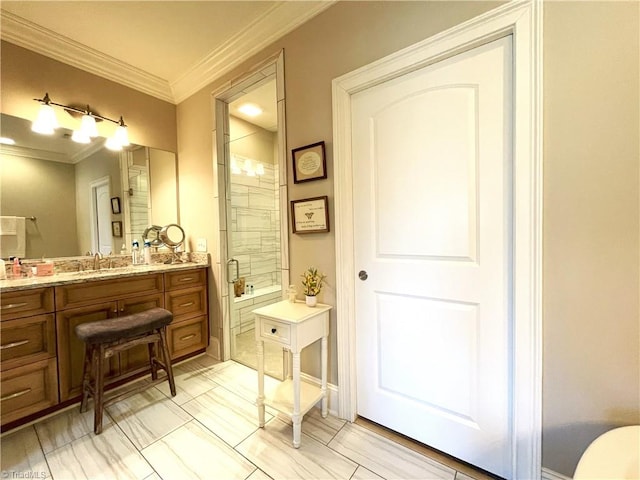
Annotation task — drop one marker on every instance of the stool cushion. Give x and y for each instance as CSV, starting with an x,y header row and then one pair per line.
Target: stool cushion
x,y
114,329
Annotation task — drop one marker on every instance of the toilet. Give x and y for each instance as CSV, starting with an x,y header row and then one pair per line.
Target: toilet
x,y
613,455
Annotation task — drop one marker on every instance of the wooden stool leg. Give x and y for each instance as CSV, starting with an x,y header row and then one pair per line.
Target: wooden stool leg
x,y
167,360
86,376
99,390
152,360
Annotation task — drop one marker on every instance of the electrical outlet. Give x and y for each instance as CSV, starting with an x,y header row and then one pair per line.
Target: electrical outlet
x,y
201,245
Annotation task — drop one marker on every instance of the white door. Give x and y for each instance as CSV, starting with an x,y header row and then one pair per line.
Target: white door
x,y
102,209
433,230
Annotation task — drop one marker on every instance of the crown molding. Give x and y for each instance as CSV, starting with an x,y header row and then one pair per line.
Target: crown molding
x,y
50,156
29,35
17,151
279,20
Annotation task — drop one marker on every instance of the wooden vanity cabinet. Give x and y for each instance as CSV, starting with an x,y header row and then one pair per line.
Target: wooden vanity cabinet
x,y
28,374
43,360
186,296
80,303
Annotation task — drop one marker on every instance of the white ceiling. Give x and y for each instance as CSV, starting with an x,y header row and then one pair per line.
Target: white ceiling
x,y
168,49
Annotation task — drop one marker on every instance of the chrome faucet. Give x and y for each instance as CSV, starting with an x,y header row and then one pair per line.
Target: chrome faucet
x,y
96,261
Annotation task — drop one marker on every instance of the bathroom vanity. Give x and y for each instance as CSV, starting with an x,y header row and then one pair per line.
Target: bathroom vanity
x,y
41,358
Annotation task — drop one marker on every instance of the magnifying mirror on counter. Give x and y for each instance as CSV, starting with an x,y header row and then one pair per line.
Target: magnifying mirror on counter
x,y
172,235
152,235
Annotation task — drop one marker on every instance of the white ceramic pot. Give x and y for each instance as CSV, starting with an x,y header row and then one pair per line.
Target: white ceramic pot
x,y
311,300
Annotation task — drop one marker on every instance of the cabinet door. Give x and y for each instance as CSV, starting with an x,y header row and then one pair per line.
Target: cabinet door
x,y
186,303
28,389
26,340
137,358
24,303
187,337
71,349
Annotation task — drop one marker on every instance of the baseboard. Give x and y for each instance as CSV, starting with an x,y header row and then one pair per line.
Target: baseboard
x,y
551,475
332,392
214,348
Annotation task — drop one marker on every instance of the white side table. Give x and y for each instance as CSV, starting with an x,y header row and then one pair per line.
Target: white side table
x,y
292,326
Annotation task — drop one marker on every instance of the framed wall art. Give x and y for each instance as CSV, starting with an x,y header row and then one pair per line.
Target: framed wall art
x,y
115,205
310,215
116,229
309,163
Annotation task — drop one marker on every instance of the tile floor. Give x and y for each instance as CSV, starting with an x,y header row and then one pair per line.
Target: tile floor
x,y
209,431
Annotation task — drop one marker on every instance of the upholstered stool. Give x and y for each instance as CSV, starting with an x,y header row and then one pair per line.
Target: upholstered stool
x,y
106,338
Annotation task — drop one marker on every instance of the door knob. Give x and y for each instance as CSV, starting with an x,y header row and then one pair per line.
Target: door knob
x,y
362,275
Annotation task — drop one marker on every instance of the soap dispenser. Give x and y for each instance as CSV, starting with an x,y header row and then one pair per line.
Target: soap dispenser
x,y
135,253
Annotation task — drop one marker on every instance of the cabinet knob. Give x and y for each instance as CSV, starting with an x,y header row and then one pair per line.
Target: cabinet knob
x,y
273,330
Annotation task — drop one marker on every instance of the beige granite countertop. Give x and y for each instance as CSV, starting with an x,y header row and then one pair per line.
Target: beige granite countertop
x,y
66,278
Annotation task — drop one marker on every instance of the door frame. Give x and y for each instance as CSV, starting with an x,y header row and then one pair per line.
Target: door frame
x,y
272,66
523,20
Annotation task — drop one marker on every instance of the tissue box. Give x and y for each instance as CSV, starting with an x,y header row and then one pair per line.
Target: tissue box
x,y
43,269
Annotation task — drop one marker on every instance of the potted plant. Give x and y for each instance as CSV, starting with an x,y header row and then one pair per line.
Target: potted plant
x,y
312,284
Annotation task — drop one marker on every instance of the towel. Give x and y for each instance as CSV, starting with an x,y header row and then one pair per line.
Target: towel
x,y
13,245
8,225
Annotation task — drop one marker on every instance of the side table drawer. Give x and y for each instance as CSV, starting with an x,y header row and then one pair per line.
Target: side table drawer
x,y
274,331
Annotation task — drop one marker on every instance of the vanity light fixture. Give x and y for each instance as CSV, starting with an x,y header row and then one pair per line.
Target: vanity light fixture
x,y
7,141
47,122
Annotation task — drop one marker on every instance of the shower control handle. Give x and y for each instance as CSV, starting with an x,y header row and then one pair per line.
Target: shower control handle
x,y
362,275
229,262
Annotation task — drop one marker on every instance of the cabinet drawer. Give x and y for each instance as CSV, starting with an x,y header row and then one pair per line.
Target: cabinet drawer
x,y
186,303
187,336
274,331
81,294
26,340
28,389
26,303
185,279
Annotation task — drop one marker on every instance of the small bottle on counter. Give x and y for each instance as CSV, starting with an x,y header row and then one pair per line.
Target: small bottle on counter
x,y
17,271
147,253
123,250
135,252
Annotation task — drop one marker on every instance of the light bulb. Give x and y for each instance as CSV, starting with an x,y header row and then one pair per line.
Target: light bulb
x,y
122,134
46,122
79,136
88,126
235,169
112,143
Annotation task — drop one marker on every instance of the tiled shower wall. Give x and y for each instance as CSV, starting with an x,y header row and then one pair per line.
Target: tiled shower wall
x,y
255,219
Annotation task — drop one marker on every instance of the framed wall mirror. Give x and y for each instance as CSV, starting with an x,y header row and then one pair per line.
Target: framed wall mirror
x,y
67,189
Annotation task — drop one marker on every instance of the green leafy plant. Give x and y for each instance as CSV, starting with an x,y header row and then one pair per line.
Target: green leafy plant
x,y
312,281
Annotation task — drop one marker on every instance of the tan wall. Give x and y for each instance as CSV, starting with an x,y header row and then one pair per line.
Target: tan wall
x,y
45,190
591,243
591,281
591,216
26,75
